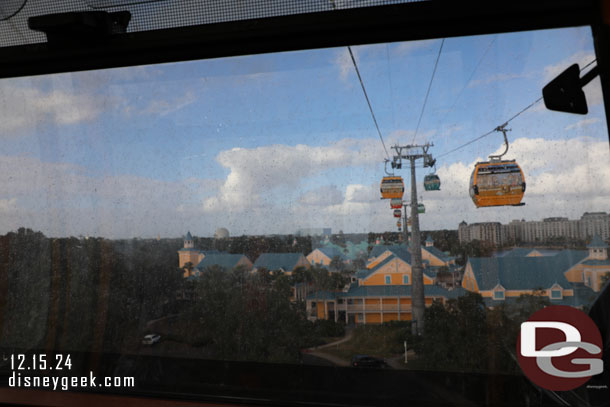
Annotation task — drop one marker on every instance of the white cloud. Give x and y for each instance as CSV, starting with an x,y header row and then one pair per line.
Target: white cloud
x,y
8,205
254,173
323,196
581,58
29,107
583,123
344,62
62,199
163,107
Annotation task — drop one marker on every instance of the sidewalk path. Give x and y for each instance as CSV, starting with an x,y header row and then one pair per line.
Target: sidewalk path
x,y
316,350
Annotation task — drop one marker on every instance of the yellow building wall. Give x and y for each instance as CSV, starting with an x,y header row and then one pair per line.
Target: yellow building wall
x,y
371,301
517,293
574,275
318,258
390,316
396,269
405,316
373,318
390,301
434,261
320,309
192,256
469,278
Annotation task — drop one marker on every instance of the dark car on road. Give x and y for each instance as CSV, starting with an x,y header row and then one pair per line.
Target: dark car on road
x,y
368,361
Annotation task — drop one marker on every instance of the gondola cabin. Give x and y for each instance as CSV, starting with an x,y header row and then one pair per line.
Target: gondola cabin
x,y
432,182
497,183
397,213
421,208
392,187
395,203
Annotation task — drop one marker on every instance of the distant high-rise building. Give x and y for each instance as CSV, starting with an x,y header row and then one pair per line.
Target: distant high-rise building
x,y
589,225
314,232
492,232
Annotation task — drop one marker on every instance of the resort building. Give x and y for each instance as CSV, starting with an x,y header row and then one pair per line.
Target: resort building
x,y
568,277
284,262
382,291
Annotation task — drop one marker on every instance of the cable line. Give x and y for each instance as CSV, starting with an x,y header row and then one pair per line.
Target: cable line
x,y
351,54
428,91
470,77
508,121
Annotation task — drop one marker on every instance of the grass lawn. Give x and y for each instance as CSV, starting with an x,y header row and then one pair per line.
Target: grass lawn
x,y
376,340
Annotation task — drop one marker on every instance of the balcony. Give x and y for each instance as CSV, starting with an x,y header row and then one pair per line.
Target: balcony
x,y
375,308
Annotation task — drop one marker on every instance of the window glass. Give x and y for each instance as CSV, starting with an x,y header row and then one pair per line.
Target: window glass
x,y
182,200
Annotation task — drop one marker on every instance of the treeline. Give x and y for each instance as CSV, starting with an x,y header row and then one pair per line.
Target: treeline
x,y
465,335
237,315
99,295
81,294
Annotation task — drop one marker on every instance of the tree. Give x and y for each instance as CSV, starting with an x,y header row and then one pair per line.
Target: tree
x,y
336,264
605,278
188,268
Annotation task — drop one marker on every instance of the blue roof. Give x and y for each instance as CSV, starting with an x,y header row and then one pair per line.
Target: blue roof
x,y
525,251
277,261
379,249
398,250
188,236
368,272
525,273
332,252
597,243
363,273
439,254
429,239
226,261
517,252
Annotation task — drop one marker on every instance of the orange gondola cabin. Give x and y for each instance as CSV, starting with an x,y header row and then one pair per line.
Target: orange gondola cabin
x,y
497,183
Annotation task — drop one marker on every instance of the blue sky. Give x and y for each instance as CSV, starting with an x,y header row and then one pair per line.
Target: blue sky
x,y
276,142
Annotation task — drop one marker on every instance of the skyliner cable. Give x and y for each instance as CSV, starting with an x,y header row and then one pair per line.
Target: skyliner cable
x,y
428,91
366,96
508,121
470,77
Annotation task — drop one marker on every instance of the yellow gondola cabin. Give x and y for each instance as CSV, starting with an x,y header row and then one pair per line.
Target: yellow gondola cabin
x,y
392,187
497,183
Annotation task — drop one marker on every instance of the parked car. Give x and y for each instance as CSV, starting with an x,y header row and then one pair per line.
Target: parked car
x,y
151,339
368,361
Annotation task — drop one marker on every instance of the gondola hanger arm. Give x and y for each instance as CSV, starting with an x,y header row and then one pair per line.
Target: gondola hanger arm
x,y
502,129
